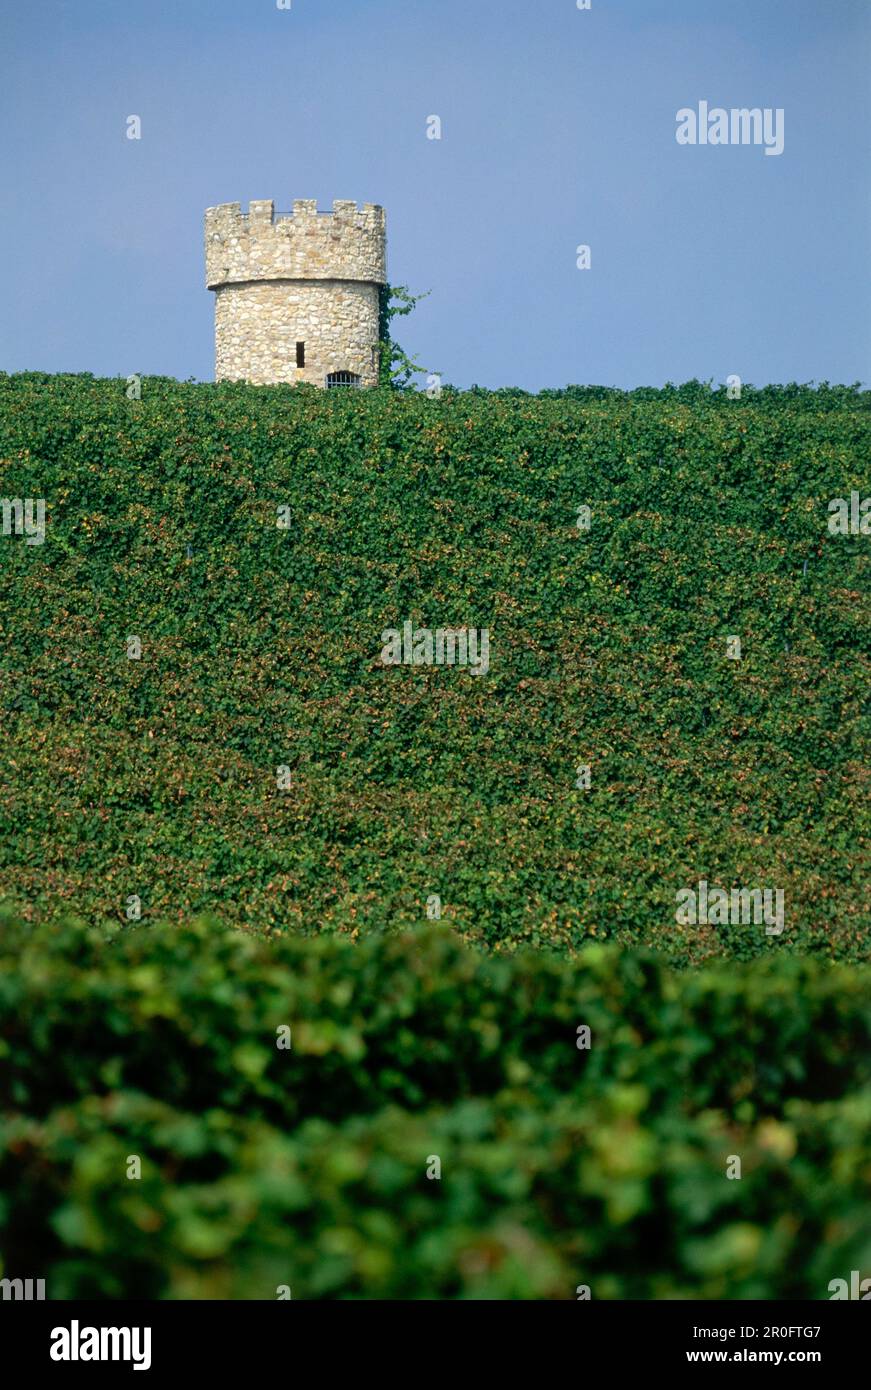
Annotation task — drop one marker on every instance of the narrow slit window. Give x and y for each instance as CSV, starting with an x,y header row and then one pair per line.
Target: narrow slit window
x,y
300,354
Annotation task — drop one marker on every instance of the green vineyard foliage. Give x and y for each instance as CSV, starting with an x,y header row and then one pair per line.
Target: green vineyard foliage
x,y
307,1165
300,901
261,648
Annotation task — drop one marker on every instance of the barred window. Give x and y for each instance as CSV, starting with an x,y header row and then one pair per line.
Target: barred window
x,y
343,379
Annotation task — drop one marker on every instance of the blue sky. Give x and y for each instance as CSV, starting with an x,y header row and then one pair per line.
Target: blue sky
x,y
558,128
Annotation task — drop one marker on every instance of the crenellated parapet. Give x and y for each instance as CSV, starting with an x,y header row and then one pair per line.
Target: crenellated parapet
x,y
349,243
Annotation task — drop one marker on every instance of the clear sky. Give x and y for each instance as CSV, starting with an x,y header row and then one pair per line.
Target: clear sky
x,y
558,129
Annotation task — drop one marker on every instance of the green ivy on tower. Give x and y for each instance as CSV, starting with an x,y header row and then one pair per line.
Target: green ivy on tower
x,y
396,369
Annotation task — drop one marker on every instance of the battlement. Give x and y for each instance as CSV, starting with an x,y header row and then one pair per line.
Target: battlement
x,y
348,243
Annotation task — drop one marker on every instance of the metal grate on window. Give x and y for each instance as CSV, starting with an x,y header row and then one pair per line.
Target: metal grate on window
x,y
343,379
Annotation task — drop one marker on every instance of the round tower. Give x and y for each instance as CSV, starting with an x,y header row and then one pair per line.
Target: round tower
x,y
296,294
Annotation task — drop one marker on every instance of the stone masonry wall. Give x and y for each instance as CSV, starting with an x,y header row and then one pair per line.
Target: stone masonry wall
x,y
303,277
258,325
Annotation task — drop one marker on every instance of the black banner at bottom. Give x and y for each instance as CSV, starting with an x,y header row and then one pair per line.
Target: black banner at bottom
x,y
162,1339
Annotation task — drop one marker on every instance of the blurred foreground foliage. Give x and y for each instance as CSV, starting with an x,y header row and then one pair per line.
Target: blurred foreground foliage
x,y
307,1167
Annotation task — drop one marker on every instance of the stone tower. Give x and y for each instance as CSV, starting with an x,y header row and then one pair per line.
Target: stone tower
x,y
296,294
